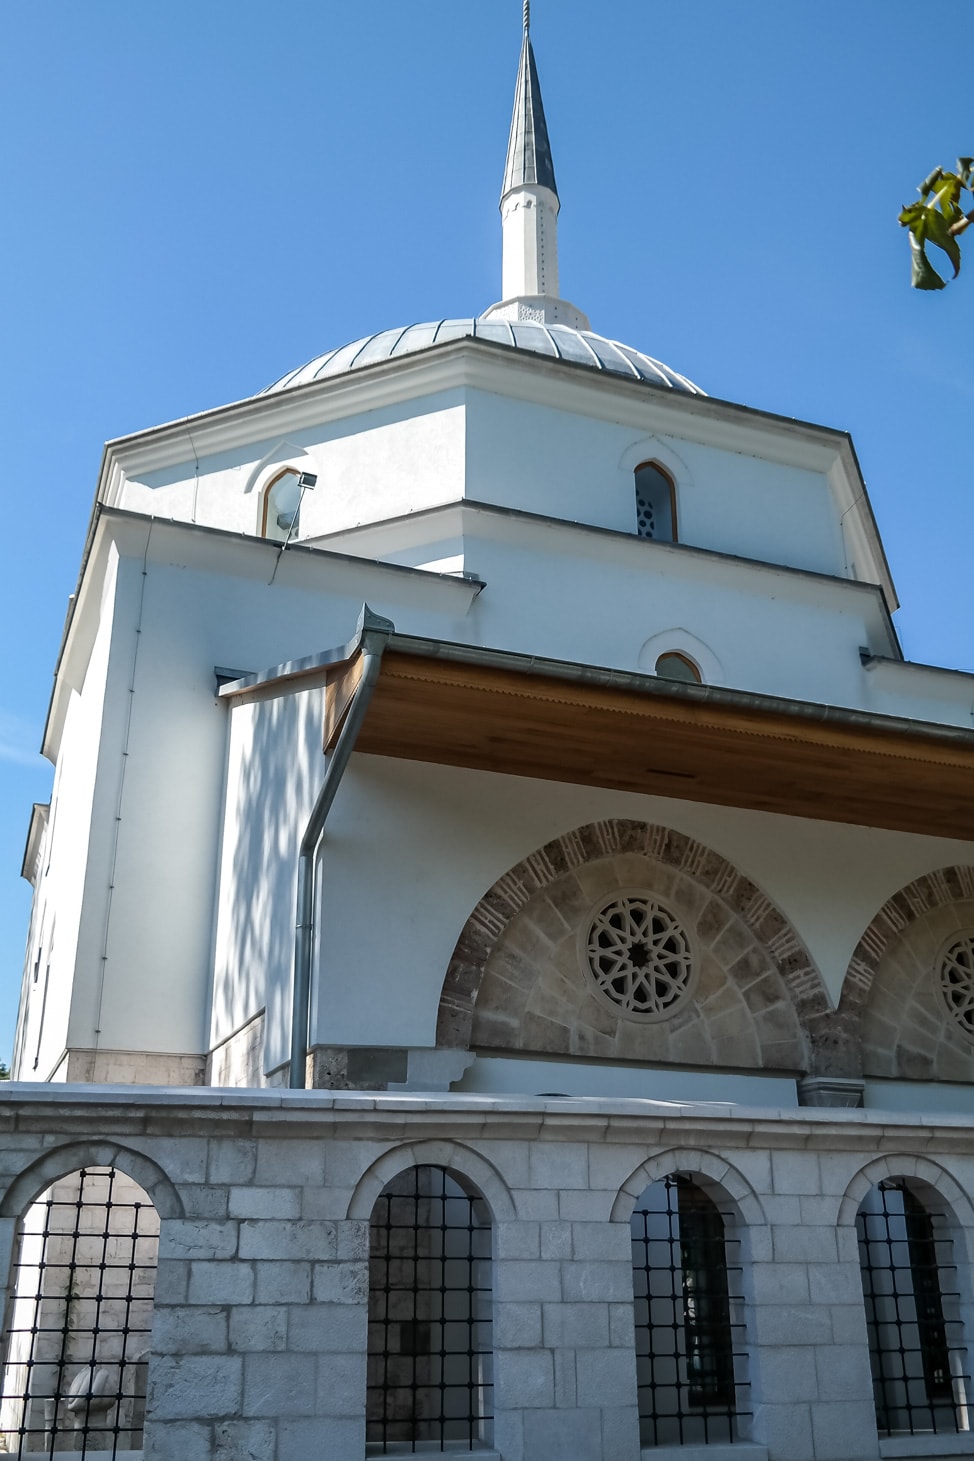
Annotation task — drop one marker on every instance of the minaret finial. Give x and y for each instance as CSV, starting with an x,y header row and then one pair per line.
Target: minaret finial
x,y
529,208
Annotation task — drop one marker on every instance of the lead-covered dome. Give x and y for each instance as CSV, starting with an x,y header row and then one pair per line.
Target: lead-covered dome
x,y
561,342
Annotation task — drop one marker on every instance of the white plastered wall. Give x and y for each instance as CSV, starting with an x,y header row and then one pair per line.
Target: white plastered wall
x,y
59,892
469,442
410,849
577,467
370,466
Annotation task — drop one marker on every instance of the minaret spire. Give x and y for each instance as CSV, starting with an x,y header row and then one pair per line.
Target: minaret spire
x,y
529,207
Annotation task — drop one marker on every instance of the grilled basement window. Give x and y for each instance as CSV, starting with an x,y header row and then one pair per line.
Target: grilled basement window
x,y
689,1346
655,503
912,1313
430,1361
81,1317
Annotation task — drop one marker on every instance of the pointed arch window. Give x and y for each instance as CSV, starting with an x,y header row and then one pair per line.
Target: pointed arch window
x,y
912,1311
655,503
280,515
689,1357
430,1349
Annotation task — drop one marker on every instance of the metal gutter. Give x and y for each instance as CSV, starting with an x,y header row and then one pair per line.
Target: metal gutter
x,y
841,717
372,635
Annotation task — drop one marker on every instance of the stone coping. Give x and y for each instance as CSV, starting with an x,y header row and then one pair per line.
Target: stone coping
x,y
269,1102
728,1451
930,1447
433,1449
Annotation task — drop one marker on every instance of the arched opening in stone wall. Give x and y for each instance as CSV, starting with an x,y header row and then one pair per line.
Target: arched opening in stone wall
x,y
628,942
430,1346
80,1318
691,1361
909,989
909,1281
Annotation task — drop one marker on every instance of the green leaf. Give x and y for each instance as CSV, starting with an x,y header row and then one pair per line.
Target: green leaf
x,y
911,213
924,275
948,191
937,232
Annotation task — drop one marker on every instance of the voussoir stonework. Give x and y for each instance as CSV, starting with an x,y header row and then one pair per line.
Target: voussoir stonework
x,y
516,981
894,986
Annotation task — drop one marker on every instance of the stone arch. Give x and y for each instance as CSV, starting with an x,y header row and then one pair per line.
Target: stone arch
x,y
64,1160
907,1164
715,1169
453,1156
889,996
789,1009
924,895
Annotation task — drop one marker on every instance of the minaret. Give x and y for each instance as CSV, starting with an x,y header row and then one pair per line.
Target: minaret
x,y
529,209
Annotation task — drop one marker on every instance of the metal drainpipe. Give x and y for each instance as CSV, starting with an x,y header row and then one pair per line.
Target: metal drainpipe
x,y
310,842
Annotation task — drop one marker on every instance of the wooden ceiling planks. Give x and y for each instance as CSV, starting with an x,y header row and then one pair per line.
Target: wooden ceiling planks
x,y
557,729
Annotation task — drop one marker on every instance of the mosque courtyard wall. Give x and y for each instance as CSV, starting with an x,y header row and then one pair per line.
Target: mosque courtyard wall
x,y
260,1347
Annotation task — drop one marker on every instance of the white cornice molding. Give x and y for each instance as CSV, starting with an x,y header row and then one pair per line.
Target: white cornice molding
x,y
465,517
520,374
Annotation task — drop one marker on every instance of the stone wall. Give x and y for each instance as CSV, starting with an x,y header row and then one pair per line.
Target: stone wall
x,y
906,1029
259,1342
517,982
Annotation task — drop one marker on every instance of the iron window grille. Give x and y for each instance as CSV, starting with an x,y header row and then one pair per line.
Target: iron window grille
x,y
80,1319
912,1318
690,1361
430,1348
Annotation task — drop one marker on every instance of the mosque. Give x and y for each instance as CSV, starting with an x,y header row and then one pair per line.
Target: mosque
x,y
501,969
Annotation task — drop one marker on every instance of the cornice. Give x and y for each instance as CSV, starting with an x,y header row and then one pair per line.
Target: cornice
x,y
143,1111
561,385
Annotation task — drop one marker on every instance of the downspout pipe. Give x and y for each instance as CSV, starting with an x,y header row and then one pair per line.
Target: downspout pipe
x,y
371,640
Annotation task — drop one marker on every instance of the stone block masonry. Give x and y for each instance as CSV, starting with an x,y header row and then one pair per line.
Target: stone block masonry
x,y
260,1335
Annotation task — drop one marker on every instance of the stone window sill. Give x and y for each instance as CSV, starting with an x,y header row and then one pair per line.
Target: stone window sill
x,y
433,1449
929,1447
729,1451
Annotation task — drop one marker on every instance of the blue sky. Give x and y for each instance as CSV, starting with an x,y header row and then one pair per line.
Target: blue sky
x,y
201,195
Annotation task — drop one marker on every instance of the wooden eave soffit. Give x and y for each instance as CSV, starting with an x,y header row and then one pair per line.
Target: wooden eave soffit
x,y
663,743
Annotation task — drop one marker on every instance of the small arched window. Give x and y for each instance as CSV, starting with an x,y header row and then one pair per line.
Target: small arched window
x,y
281,506
430,1377
676,666
687,1365
74,1374
911,1317
655,503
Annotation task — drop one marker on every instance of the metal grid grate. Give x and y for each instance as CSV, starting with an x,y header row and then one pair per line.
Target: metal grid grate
x,y
913,1321
645,515
689,1356
81,1315
430,1344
